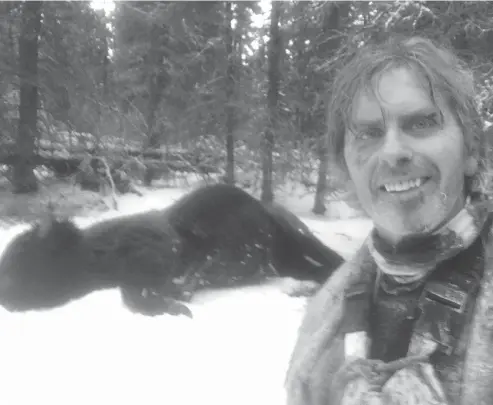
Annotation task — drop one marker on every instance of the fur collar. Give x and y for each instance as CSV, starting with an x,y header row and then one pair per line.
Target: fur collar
x,y
312,365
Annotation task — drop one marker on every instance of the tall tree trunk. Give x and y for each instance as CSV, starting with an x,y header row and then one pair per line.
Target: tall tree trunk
x,y
302,112
230,91
54,15
333,24
156,83
275,51
24,180
319,204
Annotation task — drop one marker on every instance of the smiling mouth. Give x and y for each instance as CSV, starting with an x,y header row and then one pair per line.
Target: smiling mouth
x,y
403,186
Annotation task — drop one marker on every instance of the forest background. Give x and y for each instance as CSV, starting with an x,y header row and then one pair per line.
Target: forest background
x,y
138,91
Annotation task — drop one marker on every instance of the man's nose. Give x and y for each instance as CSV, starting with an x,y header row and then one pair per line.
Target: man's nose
x,y
396,150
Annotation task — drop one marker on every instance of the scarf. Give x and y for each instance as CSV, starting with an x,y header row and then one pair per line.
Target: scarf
x,y
330,365
409,262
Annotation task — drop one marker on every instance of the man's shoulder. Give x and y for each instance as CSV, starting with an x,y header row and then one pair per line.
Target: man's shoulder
x,y
479,367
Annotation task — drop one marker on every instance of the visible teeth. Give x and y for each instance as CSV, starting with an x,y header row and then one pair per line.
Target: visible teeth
x,y
403,185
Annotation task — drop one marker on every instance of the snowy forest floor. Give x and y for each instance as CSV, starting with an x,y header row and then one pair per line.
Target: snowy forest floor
x,y
94,351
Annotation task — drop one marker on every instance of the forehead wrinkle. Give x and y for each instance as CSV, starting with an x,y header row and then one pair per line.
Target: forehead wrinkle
x,y
365,109
425,95
372,91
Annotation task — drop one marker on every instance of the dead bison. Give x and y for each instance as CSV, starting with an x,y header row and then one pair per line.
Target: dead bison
x,y
214,236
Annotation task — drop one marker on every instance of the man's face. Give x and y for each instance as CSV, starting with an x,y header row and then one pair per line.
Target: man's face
x,y
407,162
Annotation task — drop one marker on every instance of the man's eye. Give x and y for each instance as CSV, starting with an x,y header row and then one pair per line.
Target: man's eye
x,y
423,123
369,133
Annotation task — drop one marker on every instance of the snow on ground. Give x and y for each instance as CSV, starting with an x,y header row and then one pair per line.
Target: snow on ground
x,y
94,351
